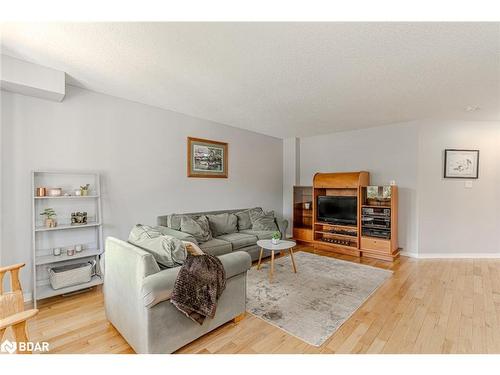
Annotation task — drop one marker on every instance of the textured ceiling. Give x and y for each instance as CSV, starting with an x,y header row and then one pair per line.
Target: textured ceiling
x,y
281,79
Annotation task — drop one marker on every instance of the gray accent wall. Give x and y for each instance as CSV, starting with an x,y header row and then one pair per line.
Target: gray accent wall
x,y
140,152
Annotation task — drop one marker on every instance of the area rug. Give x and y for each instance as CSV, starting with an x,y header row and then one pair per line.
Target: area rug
x,y
314,302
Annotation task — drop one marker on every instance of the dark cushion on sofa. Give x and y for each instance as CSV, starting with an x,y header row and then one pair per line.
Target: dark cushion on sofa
x,y
239,240
244,221
223,223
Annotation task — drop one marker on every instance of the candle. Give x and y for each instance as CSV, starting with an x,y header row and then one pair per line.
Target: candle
x,y
40,192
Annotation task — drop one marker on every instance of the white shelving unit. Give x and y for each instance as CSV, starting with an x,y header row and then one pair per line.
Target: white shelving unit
x,y
64,234
66,226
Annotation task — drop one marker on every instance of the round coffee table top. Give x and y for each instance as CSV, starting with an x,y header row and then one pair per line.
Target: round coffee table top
x,y
282,245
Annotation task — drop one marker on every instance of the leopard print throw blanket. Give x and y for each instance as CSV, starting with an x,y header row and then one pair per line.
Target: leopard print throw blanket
x,y
199,284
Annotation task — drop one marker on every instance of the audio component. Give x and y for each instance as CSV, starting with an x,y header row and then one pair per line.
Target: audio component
x,y
344,232
336,241
376,222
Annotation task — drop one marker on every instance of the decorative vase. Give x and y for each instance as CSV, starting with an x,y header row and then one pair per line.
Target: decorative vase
x,y
54,192
50,223
41,192
85,192
275,241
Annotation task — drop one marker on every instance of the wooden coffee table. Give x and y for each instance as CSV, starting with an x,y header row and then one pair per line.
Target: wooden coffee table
x,y
281,246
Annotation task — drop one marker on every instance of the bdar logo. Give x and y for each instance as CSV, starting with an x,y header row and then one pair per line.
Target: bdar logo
x,y
8,347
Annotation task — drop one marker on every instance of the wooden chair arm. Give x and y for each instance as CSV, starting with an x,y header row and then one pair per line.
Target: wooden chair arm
x,y
12,267
17,318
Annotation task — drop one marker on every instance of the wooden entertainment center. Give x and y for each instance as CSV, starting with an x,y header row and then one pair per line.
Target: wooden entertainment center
x,y
302,214
374,233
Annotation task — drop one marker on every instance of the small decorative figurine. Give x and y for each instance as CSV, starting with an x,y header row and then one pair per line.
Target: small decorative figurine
x,y
50,217
85,190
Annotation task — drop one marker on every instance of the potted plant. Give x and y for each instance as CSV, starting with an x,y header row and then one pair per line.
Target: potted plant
x,y
85,189
276,238
50,217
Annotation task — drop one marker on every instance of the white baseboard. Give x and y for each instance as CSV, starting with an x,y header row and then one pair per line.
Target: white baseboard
x,y
28,297
408,254
451,255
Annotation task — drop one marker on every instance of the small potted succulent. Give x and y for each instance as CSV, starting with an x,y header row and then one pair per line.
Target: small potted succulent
x,y
85,190
275,239
50,217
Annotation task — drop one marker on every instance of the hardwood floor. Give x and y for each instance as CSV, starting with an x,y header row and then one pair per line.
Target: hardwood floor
x,y
428,306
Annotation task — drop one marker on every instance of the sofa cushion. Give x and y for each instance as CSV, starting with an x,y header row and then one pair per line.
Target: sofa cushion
x,y
168,251
223,223
166,231
216,247
158,287
174,221
244,221
260,234
263,221
198,228
239,240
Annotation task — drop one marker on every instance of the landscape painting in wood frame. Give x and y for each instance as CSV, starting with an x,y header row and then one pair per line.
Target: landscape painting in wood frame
x,y
206,158
461,163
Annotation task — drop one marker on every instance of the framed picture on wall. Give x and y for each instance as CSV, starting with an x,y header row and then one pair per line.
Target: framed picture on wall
x,y
461,163
206,158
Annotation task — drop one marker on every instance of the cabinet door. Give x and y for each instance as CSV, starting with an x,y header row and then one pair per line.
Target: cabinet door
x,y
376,244
302,234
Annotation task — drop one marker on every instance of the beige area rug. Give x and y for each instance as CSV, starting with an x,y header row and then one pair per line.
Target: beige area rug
x,y
314,302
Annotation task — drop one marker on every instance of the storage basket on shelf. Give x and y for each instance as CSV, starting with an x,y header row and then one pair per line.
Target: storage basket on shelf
x,y
72,274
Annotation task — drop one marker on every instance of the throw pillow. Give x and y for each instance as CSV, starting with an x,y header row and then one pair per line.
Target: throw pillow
x,y
198,228
256,210
244,221
174,221
223,223
168,251
263,221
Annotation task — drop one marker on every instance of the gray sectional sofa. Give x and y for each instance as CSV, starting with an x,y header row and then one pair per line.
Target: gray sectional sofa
x,y
240,240
137,291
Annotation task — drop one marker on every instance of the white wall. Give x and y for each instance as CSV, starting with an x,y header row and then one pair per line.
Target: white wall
x,y
2,160
437,217
31,79
453,219
141,153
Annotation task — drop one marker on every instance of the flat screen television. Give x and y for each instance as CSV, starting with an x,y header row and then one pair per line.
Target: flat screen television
x,y
338,210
